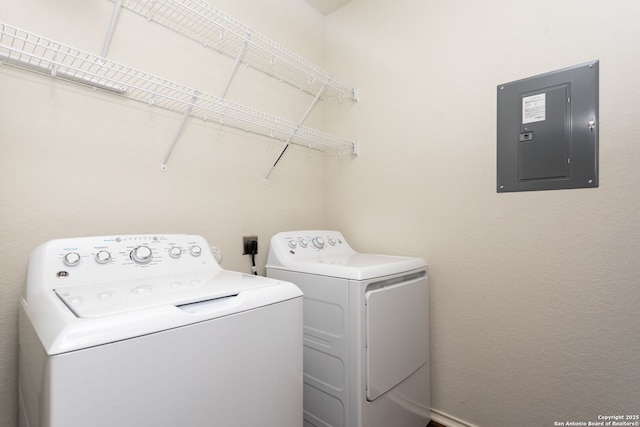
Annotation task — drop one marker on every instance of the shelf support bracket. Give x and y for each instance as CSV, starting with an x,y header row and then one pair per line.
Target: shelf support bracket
x,y
235,64
304,117
112,28
183,122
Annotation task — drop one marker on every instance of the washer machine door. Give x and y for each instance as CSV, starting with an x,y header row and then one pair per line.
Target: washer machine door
x,y
397,333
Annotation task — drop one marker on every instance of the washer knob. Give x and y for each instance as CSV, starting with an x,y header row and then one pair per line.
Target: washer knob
x,y
332,241
195,250
304,243
293,244
142,255
175,252
103,257
318,242
71,259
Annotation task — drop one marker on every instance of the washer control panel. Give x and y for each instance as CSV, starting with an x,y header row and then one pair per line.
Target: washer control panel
x,y
114,258
309,244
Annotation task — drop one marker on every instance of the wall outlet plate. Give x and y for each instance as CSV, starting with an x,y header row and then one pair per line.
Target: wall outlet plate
x,y
246,250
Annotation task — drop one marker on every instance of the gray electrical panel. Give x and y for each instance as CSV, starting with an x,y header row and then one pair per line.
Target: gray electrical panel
x,y
547,131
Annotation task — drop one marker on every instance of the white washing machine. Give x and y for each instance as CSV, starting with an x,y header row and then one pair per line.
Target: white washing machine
x,y
366,331
149,330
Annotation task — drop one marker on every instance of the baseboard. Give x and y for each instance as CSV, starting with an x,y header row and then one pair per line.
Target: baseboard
x,y
448,420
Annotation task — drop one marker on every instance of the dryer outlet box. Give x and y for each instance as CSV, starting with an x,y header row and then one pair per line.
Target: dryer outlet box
x,y
250,245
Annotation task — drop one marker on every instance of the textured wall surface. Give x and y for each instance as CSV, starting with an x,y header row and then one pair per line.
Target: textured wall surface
x,y
77,162
534,295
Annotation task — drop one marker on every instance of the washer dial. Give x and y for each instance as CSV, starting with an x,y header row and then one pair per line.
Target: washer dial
x,y
175,252
103,257
318,242
142,255
71,259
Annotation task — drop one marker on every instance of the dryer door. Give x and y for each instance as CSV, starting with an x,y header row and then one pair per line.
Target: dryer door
x,y
397,332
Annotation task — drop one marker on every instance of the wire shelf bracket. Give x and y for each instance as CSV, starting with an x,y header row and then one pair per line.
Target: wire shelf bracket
x,y
209,26
214,29
29,51
304,117
112,28
183,122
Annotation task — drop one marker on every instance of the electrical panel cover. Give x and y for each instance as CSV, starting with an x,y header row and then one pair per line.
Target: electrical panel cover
x,y
547,132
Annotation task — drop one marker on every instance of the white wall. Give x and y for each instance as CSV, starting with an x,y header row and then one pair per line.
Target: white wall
x,y
77,162
534,295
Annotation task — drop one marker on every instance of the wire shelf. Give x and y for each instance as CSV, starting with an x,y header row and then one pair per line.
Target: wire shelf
x,y
36,53
214,29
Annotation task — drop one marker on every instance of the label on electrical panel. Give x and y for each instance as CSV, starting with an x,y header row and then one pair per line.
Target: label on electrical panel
x,y
534,108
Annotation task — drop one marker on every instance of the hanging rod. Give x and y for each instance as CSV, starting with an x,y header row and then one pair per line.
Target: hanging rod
x,y
36,53
211,27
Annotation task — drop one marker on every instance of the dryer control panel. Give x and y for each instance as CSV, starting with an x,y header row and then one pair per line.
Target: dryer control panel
x,y
327,253
309,244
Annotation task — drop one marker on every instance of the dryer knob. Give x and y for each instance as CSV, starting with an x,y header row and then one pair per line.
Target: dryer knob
x,y
71,259
318,242
142,255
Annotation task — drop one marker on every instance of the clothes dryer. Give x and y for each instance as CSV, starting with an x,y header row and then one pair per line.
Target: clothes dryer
x,y
149,330
366,331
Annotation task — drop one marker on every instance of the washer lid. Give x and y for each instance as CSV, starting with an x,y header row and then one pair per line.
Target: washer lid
x,y
75,317
357,266
107,299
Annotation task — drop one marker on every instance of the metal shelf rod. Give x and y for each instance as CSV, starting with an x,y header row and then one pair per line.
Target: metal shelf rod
x,y
112,28
183,122
235,66
202,22
30,51
264,54
304,117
